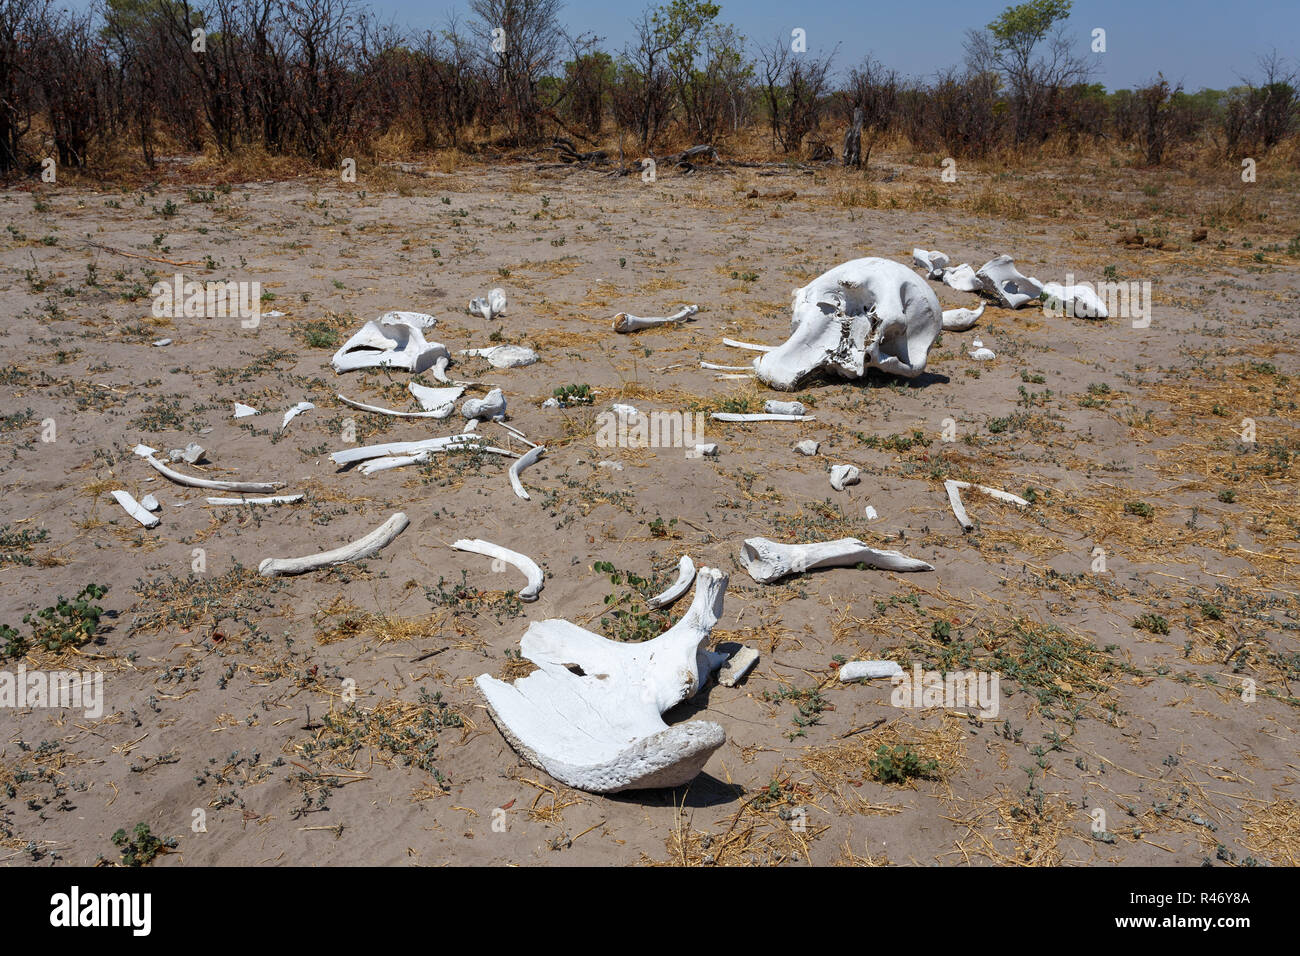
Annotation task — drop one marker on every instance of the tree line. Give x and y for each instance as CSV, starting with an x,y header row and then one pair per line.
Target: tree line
x,y
325,79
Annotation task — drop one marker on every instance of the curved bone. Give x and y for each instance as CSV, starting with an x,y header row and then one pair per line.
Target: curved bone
x,y
685,575
505,356
528,459
438,402
868,670
783,408
760,417
1080,301
388,411
933,262
844,475
749,345
959,320
767,561
276,500
1001,279
135,509
491,306
625,322
962,278
498,553
955,488
590,715
255,487
391,341
439,371
492,405
867,313
294,412
349,455
358,550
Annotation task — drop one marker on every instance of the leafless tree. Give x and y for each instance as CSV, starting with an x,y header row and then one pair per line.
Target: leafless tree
x,y
519,42
793,88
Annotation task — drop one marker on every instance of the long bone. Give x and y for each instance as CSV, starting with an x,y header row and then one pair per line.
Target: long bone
x,y
685,575
626,322
357,550
498,553
767,561
253,487
515,469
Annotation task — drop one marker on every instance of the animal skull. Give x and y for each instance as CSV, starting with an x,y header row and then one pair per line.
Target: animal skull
x,y
866,313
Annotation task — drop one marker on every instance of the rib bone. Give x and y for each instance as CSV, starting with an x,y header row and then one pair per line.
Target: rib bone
x,y
498,553
253,487
685,575
358,550
528,459
767,561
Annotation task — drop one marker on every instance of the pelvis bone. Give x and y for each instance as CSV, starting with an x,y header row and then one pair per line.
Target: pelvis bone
x,y
590,714
1001,279
867,313
394,340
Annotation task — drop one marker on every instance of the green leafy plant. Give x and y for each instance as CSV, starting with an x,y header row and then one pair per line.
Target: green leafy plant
x,y
66,624
573,395
900,764
142,846
1153,623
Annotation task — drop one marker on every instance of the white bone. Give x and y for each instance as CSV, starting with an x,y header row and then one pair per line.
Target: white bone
x,y
749,345
767,561
439,371
868,670
625,322
530,458
934,263
134,509
726,368
492,405
871,513
982,354
498,553
609,465
737,666
518,434
685,575
807,447
962,278
275,500
955,488
709,450
391,341
150,503
734,378
243,411
255,487
843,475
760,417
1080,301
389,462
388,411
438,402
190,453
489,307
470,427
294,412
783,408
863,314
626,412
505,356
959,320
162,343
349,455
590,715
1001,279
358,550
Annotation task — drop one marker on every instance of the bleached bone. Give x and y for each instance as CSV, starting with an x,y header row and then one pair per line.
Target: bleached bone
x,y
979,353
626,322
419,320
807,447
707,450
243,411
733,377
135,509
492,405
959,320
394,340
1080,301
161,343
863,314
358,550
389,462
955,488
749,345
275,500
505,356
1001,279
530,458
388,411
685,575
933,262
491,306
962,278
726,368
294,412
438,402
868,670
255,487
439,372
844,475
870,512
190,453
150,503
349,455
498,553
626,412
767,561
737,666
783,408
760,417
515,433
590,715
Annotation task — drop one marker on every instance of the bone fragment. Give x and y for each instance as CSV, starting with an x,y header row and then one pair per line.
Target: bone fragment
x,y
844,475
868,670
135,509
959,320
767,561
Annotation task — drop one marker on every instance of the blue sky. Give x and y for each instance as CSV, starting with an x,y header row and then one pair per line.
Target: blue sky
x,y
1202,43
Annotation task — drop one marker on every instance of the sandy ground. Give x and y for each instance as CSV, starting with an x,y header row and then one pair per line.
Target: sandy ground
x,y
226,692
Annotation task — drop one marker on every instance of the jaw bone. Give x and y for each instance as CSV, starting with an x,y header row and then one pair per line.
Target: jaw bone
x,y
867,313
489,307
626,322
394,340
357,550
959,320
767,561
1080,301
590,715
1001,279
